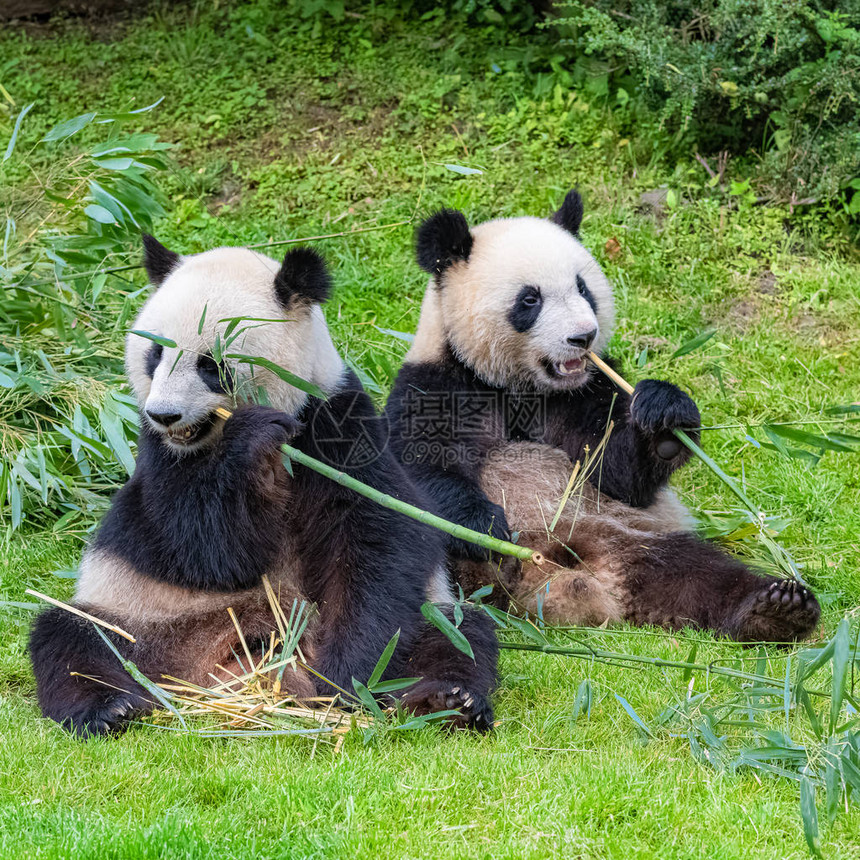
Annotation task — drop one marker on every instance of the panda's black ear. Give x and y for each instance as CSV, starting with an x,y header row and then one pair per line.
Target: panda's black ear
x,y
303,275
570,214
158,260
443,239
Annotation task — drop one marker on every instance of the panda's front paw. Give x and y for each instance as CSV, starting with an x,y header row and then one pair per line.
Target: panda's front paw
x,y
104,715
474,711
259,431
658,408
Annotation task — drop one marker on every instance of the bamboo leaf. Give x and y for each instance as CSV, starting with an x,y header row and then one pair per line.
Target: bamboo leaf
x,y
441,622
116,439
367,699
841,648
809,814
11,147
694,343
155,338
161,696
383,661
400,335
688,672
813,440
464,171
394,684
633,715
832,780
422,720
480,594
281,373
582,701
68,128
100,214
120,164
287,463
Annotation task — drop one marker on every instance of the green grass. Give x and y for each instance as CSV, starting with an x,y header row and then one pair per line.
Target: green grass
x,y
285,135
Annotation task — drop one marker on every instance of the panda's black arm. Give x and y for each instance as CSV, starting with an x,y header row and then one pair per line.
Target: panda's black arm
x,y
438,455
366,567
641,452
213,521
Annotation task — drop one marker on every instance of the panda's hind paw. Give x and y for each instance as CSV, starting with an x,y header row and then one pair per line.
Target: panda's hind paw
x,y
431,697
783,610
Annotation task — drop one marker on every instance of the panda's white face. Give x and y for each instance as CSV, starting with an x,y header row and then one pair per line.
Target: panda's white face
x,y
178,388
527,305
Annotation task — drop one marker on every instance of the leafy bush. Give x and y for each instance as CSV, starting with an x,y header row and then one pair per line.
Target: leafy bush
x,y
780,76
65,430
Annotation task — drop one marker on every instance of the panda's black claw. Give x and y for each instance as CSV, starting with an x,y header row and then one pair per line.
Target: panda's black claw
x,y
103,718
257,431
429,697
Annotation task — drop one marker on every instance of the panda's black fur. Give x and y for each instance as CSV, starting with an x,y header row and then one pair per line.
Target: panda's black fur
x,y
193,532
493,437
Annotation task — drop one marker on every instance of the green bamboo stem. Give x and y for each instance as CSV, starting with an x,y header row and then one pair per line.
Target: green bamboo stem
x,y
502,547
605,656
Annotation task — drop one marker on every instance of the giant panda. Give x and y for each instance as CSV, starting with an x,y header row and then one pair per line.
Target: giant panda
x,y
211,509
495,404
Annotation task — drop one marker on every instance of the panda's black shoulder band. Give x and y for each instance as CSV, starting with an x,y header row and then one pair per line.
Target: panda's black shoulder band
x,y
443,239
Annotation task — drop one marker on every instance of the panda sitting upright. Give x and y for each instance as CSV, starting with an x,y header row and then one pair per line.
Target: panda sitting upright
x,y
496,403
211,509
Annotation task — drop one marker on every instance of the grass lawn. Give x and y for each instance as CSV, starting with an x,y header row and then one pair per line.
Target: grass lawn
x,y
289,128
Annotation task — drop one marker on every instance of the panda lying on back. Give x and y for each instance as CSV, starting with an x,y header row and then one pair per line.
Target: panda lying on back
x,y
210,509
496,402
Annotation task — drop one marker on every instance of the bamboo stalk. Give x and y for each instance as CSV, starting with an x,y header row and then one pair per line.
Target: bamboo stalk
x,y
620,657
502,547
75,611
624,385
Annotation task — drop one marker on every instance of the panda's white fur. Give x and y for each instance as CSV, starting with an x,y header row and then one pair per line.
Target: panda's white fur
x,y
509,253
214,288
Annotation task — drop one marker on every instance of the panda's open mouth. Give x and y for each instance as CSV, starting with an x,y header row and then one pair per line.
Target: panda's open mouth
x,y
190,434
565,369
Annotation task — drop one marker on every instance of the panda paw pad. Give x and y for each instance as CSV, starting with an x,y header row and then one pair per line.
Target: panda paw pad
x,y
789,605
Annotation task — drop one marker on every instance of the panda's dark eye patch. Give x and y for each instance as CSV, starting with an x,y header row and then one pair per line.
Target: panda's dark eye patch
x,y
152,358
217,377
585,292
526,308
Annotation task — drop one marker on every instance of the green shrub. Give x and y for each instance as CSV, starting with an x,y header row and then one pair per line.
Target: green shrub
x,y
66,430
779,77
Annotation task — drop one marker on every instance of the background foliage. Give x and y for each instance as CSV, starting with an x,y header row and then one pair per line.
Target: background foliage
x,y
776,79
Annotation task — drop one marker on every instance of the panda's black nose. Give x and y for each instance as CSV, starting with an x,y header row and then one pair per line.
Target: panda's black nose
x,y
583,341
164,418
